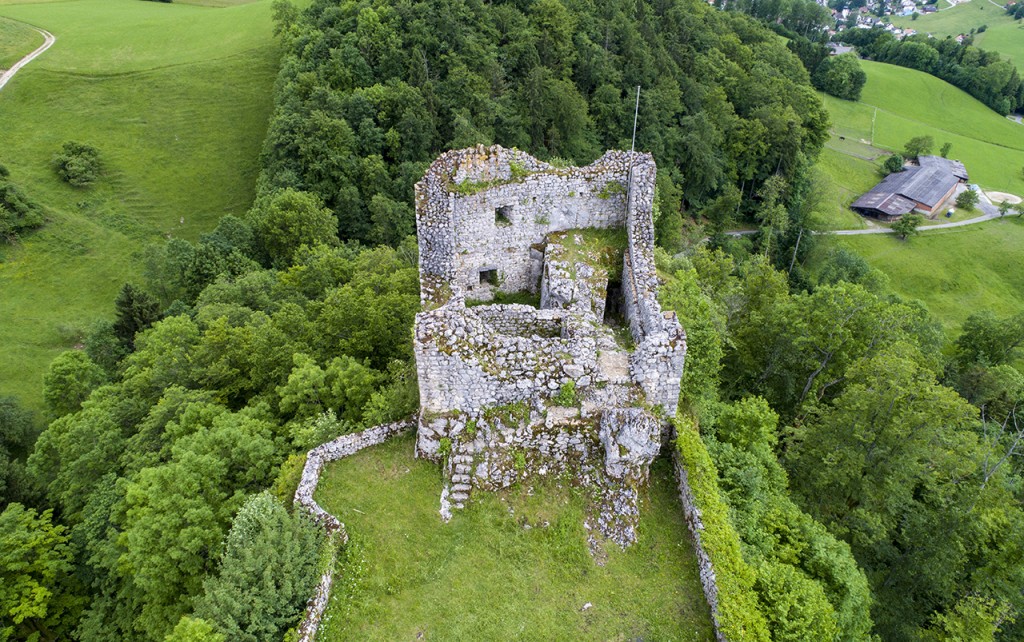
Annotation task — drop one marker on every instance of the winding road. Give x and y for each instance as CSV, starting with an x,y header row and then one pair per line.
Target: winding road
x,y
48,40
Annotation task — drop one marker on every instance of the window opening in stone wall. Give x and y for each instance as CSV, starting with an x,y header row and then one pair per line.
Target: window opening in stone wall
x,y
503,216
489,277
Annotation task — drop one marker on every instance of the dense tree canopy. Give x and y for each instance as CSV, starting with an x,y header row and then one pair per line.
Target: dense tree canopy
x,y
923,486
369,94
840,76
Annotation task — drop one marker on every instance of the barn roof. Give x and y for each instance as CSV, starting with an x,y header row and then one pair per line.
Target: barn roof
x,y
926,183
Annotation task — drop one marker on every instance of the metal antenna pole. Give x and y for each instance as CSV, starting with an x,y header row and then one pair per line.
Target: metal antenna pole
x,y
636,115
632,149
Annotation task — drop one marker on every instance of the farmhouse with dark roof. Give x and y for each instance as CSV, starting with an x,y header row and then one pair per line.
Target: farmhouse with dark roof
x,y
925,187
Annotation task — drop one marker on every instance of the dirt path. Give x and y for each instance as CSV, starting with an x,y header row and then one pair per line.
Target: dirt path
x,y
48,40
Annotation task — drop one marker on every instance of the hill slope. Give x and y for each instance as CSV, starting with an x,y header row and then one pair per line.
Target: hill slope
x,y
898,104
16,40
176,98
1002,33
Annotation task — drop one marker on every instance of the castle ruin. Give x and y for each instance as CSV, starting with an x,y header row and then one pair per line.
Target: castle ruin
x,y
581,381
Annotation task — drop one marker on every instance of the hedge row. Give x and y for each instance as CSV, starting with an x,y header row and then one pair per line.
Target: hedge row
x,y
739,617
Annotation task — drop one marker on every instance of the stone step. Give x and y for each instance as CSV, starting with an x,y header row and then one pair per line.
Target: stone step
x,y
460,479
460,505
462,469
462,459
458,498
461,488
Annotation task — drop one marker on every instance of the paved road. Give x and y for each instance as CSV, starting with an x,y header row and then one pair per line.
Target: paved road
x,y
48,40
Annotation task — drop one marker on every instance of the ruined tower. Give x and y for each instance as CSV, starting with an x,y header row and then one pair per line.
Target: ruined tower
x,y
580,380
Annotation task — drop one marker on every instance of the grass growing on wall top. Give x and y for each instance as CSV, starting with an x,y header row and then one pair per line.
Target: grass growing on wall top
x,y
483,576
739,617
596,246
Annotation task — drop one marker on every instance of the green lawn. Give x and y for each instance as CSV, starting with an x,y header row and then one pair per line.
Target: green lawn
x,y
176,98
16,40
1003,34
955,272
485,576
898,104
843,179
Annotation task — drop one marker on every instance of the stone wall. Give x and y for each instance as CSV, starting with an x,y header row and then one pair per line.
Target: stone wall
x,y
464,363
457,204
657,362
333,450
572,285
696,526
522,320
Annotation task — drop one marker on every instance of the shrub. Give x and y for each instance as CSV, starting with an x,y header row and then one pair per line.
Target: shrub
x,y
78,164
567,394
17,212
893,164
907,225
967,199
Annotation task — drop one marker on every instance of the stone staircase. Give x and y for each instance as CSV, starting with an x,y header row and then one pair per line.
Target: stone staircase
x,y
461,478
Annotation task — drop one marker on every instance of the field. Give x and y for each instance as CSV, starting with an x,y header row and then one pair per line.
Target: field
x,y
955,272
176,97
898,104
843,178
484,576
1002,33
16,40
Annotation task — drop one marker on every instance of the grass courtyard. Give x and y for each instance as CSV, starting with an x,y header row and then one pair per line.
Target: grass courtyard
x,y
486,576
176,97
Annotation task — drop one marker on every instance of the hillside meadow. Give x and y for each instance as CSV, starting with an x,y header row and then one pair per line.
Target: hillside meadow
x,y
16,40
1002,33
898,104
176,98
956,272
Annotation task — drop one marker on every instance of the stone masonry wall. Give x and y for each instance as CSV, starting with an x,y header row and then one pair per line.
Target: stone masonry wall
x,y
657,362
315,460
696,526
458,199
522,320
486,219
464,363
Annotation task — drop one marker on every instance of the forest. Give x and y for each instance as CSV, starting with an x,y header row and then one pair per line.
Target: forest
x,y
870,467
